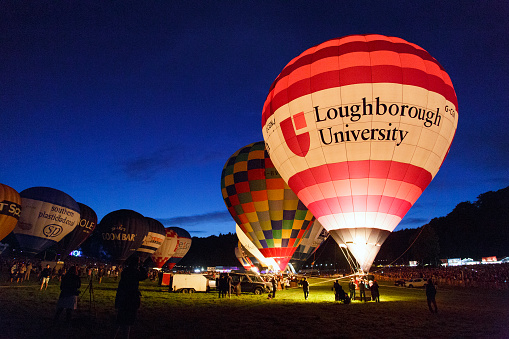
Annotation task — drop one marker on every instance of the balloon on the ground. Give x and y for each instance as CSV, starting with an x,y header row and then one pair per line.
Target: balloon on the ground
x,y
10,209
153,240
183,246
122,232
358,126
47,215
85,227
262,204
310,242
167,248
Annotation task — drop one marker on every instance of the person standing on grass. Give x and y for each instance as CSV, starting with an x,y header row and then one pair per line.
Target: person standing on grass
x,y
274,286
128,298
375,293
351,287
45,275
69,291
362,290
431,292
305,288
339,294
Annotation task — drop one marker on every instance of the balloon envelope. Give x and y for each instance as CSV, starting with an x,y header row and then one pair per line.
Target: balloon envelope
x,y
86,225
167,248
10,209
122,232
358,126
153,240
311,240
262,204
47,215
243,257
183,246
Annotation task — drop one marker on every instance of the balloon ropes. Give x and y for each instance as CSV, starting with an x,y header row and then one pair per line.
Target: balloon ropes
x,y
183,246
122,232
167,248
47,215
10,209
358,126
86,225
153,240
262,204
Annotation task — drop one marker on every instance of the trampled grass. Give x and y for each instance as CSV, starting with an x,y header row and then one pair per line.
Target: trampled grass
x,y
26,312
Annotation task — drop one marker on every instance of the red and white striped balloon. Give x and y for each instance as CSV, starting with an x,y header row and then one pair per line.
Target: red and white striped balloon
x,y
358,127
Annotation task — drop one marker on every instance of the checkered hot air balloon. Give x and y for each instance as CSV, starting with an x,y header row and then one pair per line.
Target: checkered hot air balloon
x,y
358,126
262,204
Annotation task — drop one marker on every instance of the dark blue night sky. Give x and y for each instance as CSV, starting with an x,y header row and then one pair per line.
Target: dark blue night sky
x,y
128,105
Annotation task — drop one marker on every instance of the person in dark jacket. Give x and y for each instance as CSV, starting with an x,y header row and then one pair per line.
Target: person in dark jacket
x,y
274,286
375,293
431,292
305,288
69,291
351,287
339,294
362,290
128,298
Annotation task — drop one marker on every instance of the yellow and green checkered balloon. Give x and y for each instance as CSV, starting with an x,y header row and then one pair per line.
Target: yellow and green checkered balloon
x,y
262,204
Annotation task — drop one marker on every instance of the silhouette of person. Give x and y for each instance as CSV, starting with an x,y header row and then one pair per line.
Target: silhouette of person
x,y
69,291
127,300
431,292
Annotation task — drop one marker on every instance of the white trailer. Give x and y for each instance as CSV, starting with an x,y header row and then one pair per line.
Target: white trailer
x,y
189,283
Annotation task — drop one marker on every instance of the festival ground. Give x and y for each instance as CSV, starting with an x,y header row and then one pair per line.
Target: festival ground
x,y
27,312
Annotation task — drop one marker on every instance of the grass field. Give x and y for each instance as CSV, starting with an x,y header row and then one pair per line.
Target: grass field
x,y
26,312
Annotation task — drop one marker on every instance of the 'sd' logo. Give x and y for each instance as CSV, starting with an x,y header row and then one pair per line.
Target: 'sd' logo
x,y
298,144
52,230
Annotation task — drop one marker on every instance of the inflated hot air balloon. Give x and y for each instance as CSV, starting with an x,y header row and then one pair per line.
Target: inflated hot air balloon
x,y
10,209
47,215
310,242
167,248
183,246
86,225
243,258
358,126
122,232
153,240
262,204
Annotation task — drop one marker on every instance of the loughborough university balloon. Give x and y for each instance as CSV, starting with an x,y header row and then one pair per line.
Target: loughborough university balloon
x,y
358,126
47,215
10,209
262,204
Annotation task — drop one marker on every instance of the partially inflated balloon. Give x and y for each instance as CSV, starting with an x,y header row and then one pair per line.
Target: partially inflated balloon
x,y
311,240
47,215
86,225
10,209
122,232
243,257
183,246
153,240
358,127
262,204
167,248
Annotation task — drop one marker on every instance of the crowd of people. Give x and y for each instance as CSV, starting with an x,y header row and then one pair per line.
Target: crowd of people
x,y
491,276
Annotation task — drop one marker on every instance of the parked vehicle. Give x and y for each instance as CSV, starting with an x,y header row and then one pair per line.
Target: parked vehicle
x,y
186,283
400,282
250,283
417,282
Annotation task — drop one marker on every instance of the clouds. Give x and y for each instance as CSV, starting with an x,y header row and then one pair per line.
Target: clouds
x,y
201,224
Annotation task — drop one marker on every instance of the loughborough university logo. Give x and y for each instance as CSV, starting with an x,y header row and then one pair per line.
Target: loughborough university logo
x,y
297,143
